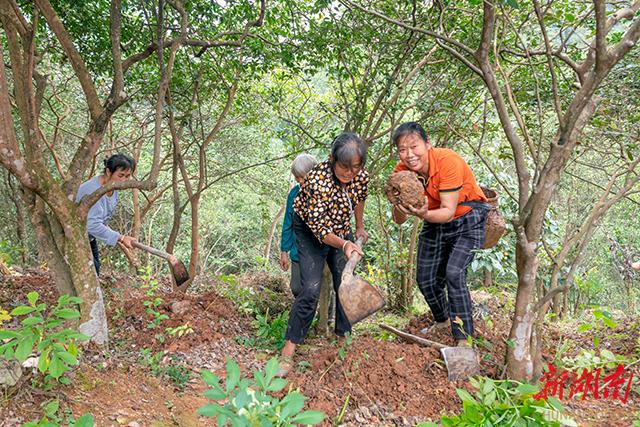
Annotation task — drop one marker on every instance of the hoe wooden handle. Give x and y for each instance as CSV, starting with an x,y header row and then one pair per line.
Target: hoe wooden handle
x,y
153,251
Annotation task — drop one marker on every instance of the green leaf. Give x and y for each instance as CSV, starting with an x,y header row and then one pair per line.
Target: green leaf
x,y
215,394
277,385
67,357
608,355
242,399
209,378
43,361
210,410
584,327
68,313
84,421
79,336
25,345
292,404
56,367
32,297
270,369
465,396
233,374
309,418
609,322
6,334
22,310
51,408
487,386
555,403
526,389
32,320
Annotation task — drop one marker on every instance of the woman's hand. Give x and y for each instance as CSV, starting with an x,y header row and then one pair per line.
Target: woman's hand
x,y
410,210
284,261
349,248
361,232
127,241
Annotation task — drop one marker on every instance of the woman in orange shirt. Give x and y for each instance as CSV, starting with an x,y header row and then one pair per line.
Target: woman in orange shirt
x,y
454,218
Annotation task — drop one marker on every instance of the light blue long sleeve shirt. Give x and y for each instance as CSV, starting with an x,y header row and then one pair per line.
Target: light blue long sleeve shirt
x,y
288,238
100,213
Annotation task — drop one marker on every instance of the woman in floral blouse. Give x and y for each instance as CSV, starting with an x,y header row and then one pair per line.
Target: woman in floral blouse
x,y
333,192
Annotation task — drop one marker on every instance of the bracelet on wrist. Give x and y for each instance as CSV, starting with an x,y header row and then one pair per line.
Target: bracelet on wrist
x,y
344,245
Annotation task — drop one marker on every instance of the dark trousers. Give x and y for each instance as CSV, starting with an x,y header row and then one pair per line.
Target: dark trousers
x,y
96,253
313,256
444,253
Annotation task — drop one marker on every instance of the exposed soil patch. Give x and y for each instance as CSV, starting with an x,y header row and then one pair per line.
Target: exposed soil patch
x,y
377,382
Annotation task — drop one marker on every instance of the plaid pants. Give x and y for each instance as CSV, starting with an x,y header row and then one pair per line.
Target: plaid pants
x,y
444,253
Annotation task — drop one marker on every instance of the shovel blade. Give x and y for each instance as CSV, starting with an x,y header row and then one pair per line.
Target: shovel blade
x,y
461,362
359,299
179,271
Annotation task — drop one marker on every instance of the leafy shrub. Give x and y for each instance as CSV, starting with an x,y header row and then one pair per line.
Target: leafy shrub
x,y
506,403
9,252
256,294
588,359
174,371
41,333
54,418
250,403
602,323
269,333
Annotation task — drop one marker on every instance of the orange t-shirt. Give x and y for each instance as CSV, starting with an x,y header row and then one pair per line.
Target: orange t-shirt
x,y
449,172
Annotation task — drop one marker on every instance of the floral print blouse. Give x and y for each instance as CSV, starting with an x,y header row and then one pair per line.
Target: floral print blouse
x,y
325,205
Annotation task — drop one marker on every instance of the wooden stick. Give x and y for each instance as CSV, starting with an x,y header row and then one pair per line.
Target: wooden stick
x,y
153,251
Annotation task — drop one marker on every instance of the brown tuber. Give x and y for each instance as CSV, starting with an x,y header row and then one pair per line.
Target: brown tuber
x,y
404,188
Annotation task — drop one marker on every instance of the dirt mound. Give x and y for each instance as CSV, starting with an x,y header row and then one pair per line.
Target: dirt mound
x,y
387,378
204,318
404,188
270,292
14,288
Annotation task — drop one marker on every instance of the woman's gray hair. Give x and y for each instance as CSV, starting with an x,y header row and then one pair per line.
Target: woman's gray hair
x,y
348,147
302,164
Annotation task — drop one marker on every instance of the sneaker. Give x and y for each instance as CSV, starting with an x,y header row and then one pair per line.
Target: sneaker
x,y
437,326
285,366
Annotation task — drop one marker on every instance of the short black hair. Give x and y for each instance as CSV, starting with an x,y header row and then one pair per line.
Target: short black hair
x,y
119,161
348,146
409,128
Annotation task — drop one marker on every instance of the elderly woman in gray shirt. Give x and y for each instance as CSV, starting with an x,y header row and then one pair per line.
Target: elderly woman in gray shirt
x,y
117,168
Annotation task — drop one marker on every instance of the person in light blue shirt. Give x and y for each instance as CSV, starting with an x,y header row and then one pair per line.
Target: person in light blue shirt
x,y
300,167
117,168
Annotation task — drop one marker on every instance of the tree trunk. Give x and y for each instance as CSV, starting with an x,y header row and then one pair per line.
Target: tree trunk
x,y
272,231
487,280
195,235
21,232
519,356
407,293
